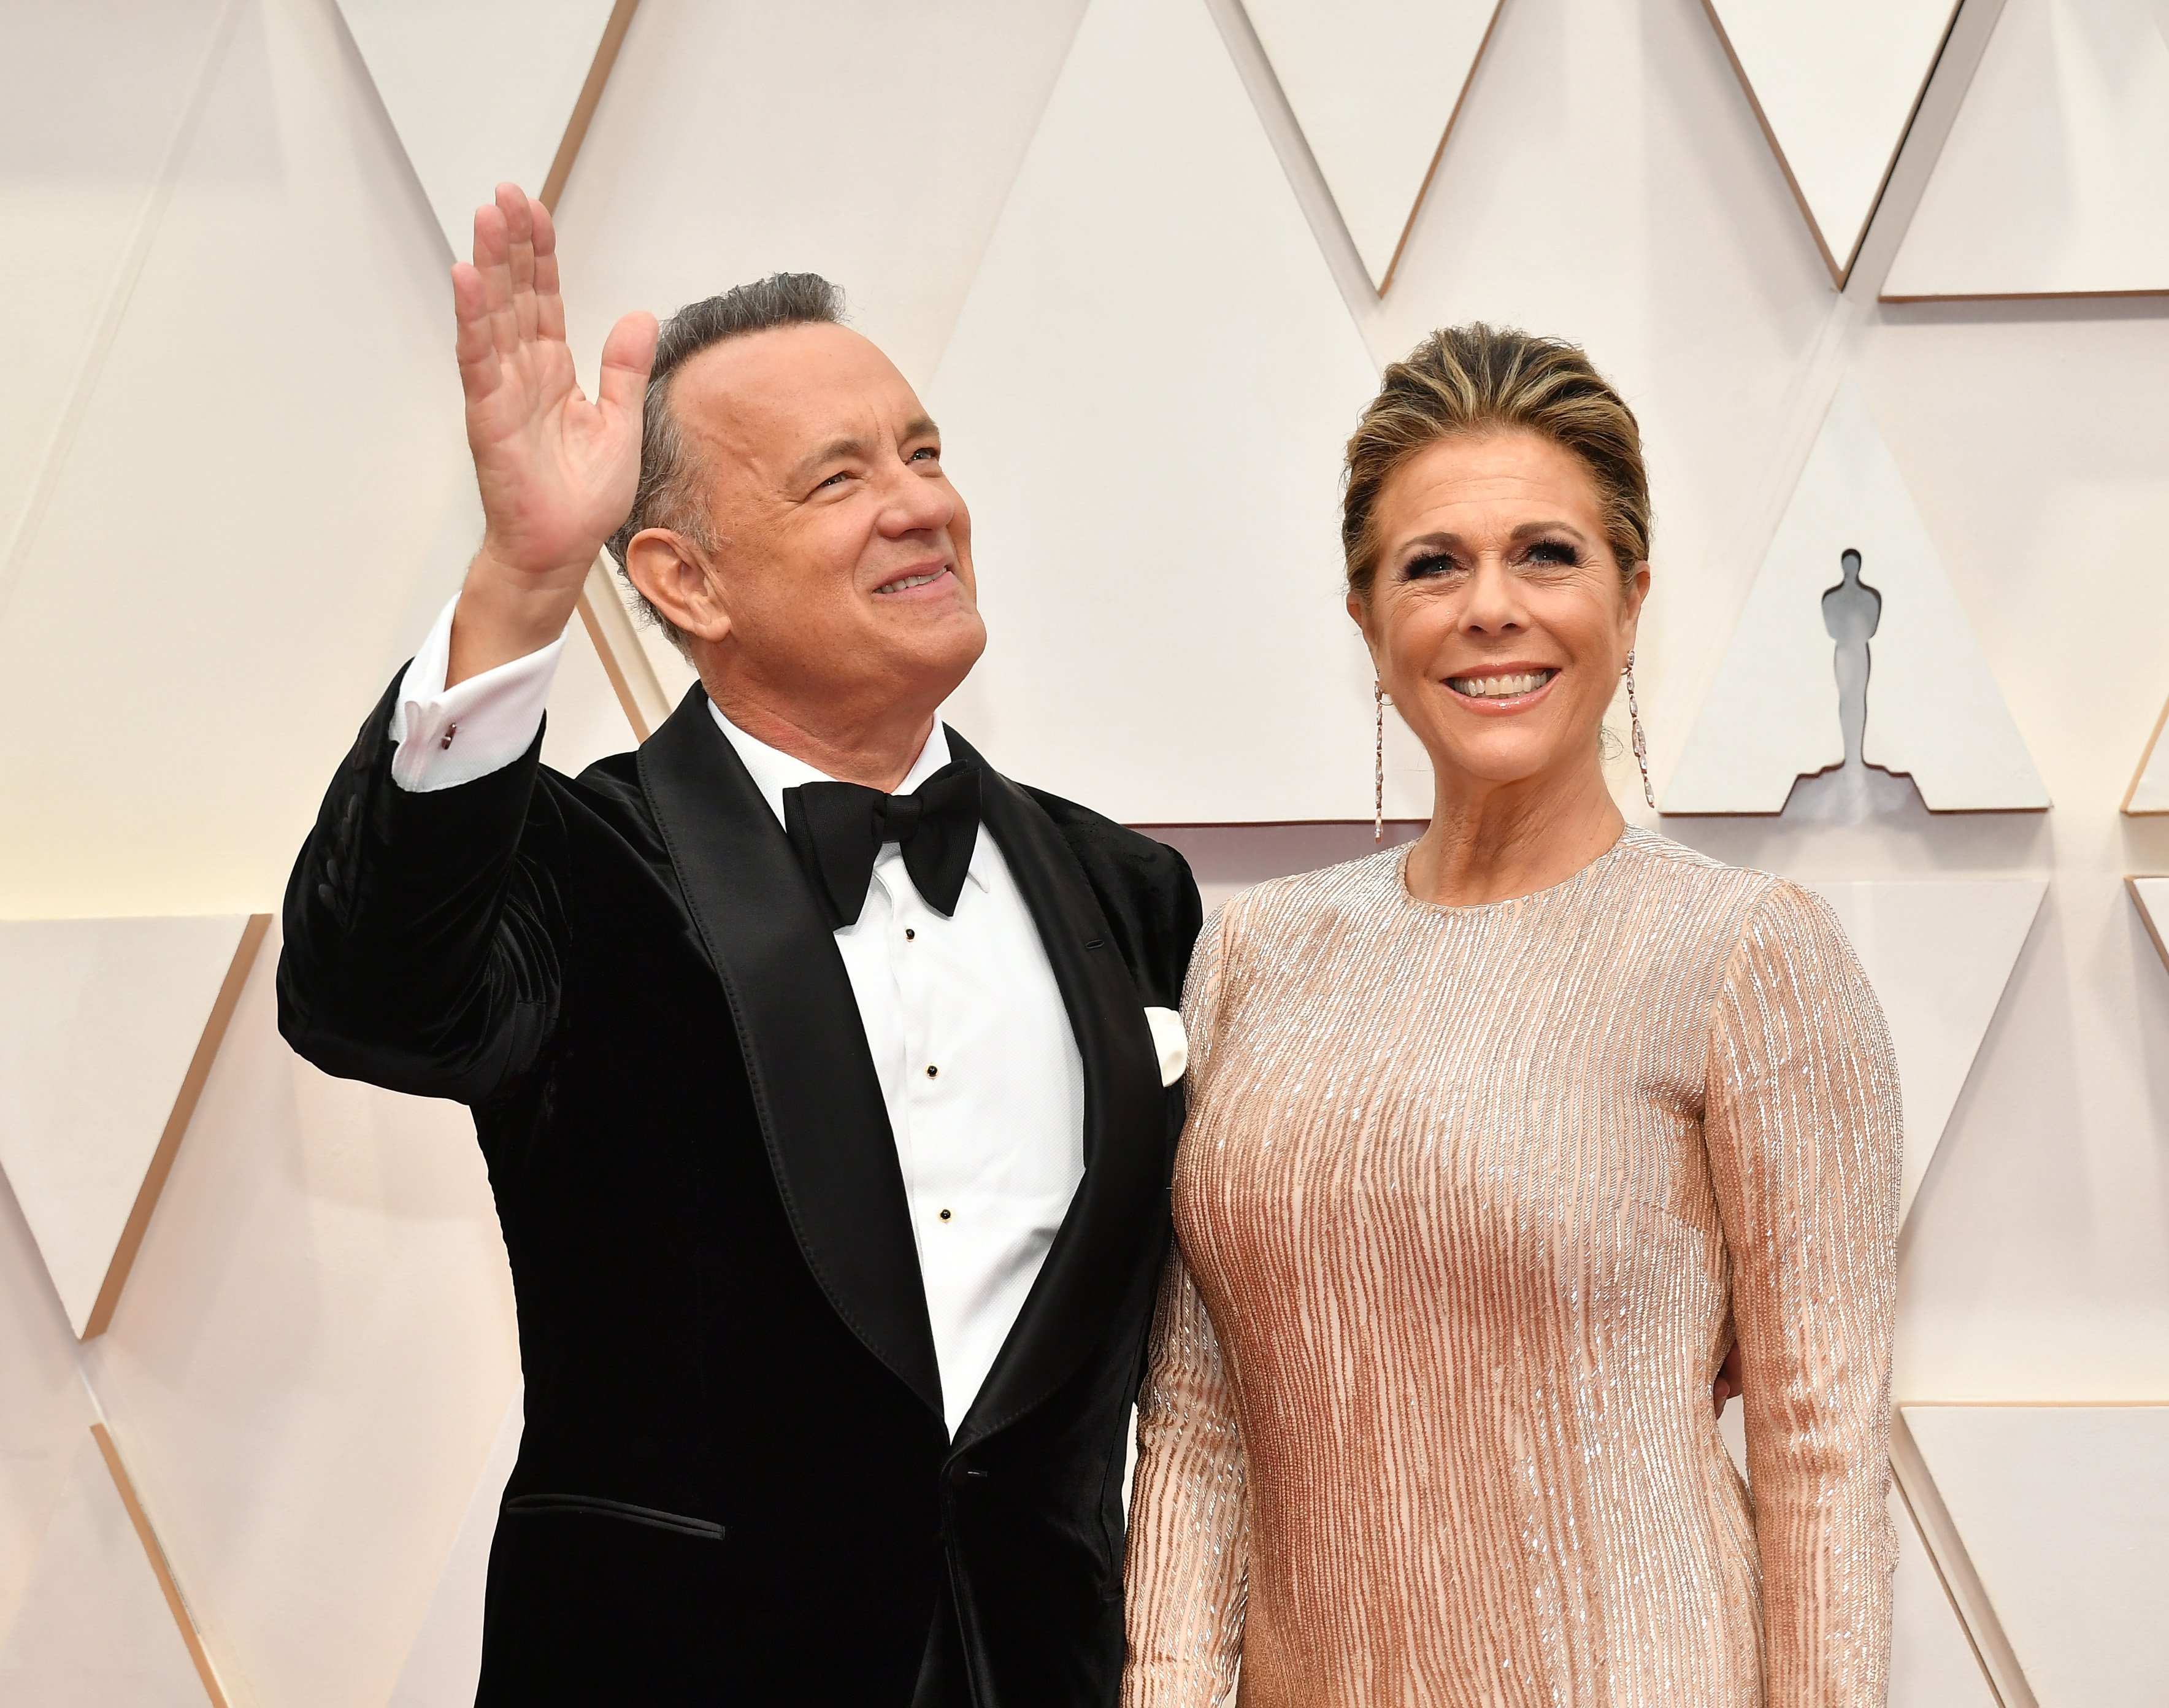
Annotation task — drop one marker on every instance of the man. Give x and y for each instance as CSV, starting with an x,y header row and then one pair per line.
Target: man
x,y
827,1127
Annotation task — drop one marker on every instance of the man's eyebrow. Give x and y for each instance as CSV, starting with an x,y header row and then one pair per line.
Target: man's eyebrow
x,y
835,451
852,446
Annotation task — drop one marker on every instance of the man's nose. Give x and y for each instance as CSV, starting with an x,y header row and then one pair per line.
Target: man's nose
x,y
914,503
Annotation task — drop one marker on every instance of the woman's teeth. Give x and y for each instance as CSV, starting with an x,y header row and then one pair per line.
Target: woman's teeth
x,y
910,581
1499,688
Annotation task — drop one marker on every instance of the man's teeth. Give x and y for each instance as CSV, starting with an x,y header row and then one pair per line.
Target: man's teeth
x,y
915,580
1499,687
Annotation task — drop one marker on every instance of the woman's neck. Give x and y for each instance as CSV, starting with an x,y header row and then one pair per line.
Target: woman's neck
x,y
1491,842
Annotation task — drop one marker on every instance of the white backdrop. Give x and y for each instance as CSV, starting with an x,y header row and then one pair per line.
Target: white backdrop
x,y
1093,233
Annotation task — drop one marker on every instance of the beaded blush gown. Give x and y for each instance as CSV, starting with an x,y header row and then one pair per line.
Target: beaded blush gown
x,y
1470,1202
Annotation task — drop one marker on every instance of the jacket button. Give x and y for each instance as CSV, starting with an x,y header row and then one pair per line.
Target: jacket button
x,y
956,1475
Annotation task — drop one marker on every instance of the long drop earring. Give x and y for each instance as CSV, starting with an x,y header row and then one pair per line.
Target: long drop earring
x,y
1641,745
1378,769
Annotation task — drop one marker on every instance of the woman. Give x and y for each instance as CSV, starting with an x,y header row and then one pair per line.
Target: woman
x,y
1494,1143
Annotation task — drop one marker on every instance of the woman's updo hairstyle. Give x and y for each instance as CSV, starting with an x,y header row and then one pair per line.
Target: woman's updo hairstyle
x,y
1477,379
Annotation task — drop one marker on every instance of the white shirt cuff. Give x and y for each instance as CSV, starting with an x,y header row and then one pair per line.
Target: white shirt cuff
x,y
444,736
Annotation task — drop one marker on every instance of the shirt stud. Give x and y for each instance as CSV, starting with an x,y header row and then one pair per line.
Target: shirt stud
x,y
932,1072
908,934
945,1215
448,734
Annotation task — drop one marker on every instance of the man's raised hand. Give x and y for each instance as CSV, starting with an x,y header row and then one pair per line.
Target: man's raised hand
x,y
556,471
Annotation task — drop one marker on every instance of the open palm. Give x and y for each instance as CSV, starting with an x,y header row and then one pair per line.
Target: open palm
x,y
556,471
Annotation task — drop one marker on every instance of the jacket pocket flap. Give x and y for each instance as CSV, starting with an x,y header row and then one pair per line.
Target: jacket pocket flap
x,y
594,1506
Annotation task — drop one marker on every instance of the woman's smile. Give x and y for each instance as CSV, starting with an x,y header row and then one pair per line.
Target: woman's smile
x,y
1499,691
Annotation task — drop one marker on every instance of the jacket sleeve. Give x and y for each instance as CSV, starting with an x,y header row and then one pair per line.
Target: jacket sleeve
x,y
1802,1126
1187,1581
423,931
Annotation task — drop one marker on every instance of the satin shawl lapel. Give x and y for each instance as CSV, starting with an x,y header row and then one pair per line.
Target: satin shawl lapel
x,y
813,1083
1095,1253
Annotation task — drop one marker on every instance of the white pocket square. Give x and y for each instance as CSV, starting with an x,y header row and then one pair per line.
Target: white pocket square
x,y
1171,1041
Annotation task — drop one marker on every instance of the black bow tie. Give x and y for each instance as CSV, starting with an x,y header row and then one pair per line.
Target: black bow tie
x,y
837,829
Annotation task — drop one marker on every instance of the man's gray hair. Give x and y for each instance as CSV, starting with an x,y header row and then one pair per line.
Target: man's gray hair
x,y
669,494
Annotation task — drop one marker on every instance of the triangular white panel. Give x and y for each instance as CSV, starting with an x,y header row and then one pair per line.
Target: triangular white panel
x,y
1932,1663
445,1663
1934,712
99,1021
2151,895
1149,386
1835,83
2150,789
1375,85
44,1407
90,115
2051,182
478,90
1939,953
94,1629
290,210
2064,1511
742,137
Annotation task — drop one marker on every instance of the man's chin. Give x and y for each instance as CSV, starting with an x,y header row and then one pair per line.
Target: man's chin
x,y
933,656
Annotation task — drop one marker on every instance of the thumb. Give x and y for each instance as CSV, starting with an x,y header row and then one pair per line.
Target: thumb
x,y
628,354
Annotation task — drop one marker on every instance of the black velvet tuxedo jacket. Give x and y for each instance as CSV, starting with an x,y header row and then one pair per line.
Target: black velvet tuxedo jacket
x,y
736,1485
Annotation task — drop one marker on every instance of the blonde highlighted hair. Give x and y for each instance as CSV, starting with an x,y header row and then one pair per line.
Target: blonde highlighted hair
x,y
1478,379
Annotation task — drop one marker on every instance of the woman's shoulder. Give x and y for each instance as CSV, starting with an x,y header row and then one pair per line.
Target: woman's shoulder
x,y
1303,898
1740,901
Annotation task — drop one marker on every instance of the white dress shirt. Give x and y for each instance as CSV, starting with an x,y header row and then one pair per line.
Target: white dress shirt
x,y
967,1031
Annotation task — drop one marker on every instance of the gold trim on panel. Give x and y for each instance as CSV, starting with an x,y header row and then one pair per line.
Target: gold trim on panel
x,y
584,110
1999,1662
2153,929
1936,1566
2030,295
610,626
639,694
176,1124
176,1603
2145,759
1423,189
1839,274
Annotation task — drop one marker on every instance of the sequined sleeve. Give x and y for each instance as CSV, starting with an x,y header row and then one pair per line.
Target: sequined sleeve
x,y
1802,1124
1185,1582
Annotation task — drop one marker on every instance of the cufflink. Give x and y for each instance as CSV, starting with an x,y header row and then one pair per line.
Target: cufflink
x,y
1170,1041
449,733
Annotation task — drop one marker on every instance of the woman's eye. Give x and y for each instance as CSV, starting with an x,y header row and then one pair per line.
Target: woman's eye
x,y
1422,568
1554,552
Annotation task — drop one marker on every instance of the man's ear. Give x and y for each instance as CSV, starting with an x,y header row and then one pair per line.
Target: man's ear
x,y
673,575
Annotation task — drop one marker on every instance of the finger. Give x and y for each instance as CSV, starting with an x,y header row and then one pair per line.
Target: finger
x,y
471,316
494,268
480,370
520,231
549,306
628,354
